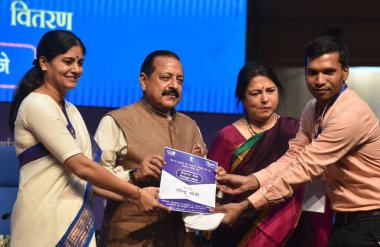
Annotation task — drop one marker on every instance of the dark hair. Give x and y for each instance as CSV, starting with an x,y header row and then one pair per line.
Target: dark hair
x,y
147,66
250,70
326,44
52,44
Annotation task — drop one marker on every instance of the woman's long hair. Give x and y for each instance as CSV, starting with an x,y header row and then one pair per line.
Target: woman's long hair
x,y
52,44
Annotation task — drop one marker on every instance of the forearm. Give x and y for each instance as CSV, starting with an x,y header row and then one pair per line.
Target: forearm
x,y
107,194
295,146
105,180
100,177
278,189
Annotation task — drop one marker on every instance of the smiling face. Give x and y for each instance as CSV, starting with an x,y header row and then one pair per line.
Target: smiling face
x,y
261,99
325,76
163,88
63,72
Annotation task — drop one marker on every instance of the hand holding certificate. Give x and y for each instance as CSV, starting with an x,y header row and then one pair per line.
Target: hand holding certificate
x,y
187,182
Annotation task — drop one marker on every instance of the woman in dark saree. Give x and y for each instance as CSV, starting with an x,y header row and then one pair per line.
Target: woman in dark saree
x,y
256,140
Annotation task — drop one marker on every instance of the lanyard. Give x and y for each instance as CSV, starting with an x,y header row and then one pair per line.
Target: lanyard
x,y
325,110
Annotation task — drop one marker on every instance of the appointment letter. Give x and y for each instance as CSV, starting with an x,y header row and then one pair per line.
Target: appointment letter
x,y
187,182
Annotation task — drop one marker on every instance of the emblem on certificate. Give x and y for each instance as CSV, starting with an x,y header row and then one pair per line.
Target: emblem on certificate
x,y
187,182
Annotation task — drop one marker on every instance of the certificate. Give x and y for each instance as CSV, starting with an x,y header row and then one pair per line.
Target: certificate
x,y
187,182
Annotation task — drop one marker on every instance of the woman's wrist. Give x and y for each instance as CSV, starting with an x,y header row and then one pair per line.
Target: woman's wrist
x,y
137,194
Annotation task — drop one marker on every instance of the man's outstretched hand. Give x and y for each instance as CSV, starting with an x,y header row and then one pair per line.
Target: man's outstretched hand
x,y
235,184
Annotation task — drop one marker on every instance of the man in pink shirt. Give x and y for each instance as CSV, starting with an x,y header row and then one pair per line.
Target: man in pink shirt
x,y
338,139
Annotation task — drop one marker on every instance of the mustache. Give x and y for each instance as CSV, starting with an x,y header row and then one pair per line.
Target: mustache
x,y
171,91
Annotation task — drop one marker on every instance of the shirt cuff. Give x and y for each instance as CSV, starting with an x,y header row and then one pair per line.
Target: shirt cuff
x,y
258,200
262,176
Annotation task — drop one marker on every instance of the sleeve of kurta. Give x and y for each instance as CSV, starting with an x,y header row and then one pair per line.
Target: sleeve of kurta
x,y
341,132
44,119
111,140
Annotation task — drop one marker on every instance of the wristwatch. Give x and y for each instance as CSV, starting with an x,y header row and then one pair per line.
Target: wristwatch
x,y
132,174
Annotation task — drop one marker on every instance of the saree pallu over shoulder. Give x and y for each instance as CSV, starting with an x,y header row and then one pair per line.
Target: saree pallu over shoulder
x,y
242,150
96,151
82,229
270,227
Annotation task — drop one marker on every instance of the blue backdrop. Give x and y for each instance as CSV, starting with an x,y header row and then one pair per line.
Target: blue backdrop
x,y
208,35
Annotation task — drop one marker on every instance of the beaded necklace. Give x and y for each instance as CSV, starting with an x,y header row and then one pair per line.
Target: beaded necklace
x,y
249,127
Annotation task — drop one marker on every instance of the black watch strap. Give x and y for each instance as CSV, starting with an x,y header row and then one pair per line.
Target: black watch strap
x,y
132,177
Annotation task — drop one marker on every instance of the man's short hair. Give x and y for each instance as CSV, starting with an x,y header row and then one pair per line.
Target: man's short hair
x,y
147,66
326,44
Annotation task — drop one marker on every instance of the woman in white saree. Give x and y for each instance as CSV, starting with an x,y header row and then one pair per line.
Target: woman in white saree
x,y
58,172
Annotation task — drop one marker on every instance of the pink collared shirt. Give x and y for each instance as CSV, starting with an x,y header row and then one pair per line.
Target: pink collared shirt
x,y
346,152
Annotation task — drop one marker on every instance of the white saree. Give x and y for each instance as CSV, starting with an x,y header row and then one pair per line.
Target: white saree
x,y
53,206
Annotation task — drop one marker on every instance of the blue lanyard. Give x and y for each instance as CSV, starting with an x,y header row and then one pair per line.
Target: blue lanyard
x,y
328,106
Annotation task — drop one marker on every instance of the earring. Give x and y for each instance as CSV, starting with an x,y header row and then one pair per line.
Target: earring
x,y
43,69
